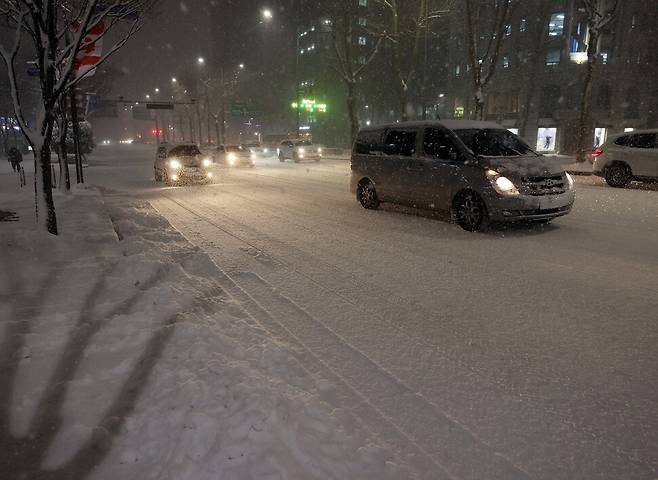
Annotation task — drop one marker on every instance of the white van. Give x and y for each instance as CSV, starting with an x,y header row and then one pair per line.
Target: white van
x,y
626,157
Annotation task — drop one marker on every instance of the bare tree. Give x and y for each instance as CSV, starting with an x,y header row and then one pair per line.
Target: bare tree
x,y
485,40
58,31
348,59
600,13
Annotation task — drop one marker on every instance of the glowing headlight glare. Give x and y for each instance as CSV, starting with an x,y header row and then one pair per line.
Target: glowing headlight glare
x,y
209,174
207,162
504,186
569,179
175,164
174,177
266,150
301,150
253,157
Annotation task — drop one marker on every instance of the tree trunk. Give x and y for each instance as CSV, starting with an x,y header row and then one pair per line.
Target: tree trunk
x,y
63,157
76,138
586,101
351,110
45,204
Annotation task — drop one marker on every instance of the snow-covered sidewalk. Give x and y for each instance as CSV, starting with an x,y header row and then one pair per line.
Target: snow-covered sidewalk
x,y
122,356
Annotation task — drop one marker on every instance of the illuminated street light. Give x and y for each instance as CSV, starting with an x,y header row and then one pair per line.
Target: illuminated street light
x,y
201,60
157,90
148,96
241,66
173,80
267,14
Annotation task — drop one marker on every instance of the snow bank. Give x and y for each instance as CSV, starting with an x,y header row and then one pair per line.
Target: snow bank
x,y
123,358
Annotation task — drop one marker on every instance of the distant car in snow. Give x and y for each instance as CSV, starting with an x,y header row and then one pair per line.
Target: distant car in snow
x,y
234,156
628,156
298,150
181,164
258,149
479,171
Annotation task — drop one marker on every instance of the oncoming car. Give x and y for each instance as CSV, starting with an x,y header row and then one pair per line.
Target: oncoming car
x,y
182,164
235,156
479,171
298,150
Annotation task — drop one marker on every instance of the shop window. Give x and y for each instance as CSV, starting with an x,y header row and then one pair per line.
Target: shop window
x,y
600,136
546,139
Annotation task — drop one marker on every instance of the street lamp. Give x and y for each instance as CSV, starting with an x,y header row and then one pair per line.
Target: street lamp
x,y
267,14
241,66
201,60
157,90
174,80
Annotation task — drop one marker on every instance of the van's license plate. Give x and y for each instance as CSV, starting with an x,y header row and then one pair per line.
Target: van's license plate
x,y
549,202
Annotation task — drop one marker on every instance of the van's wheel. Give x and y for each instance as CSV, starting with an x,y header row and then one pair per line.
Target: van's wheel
x,y
470,212
618,175
367,195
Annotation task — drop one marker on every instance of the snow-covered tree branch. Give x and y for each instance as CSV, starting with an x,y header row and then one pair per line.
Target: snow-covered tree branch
x,y
65,37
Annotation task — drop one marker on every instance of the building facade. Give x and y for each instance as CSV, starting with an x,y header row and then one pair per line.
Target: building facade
x,y
538,84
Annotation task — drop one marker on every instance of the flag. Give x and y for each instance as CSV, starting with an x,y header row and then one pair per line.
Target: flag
x,y
90,49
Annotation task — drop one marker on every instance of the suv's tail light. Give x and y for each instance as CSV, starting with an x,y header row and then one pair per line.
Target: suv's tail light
x,y
597,153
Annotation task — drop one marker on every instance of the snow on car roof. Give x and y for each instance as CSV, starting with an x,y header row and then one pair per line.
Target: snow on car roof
x,y
450,124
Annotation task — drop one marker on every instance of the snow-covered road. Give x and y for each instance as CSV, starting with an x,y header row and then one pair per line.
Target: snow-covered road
x,y
525,352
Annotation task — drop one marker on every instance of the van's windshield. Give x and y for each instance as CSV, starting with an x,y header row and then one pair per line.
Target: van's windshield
x,y
489,142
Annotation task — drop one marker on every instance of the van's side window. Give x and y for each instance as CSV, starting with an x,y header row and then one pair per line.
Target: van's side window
x,y
438,144
400,142
368,143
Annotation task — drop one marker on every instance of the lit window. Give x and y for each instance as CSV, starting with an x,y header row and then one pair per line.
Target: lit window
x,y
363,3
458,70
605,57
556,25
505,62
363,21
523,26
553,56
508,30
363,40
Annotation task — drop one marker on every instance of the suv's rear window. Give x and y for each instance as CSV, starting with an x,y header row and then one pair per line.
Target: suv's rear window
x,y
494,143
643,140
622,141
185,151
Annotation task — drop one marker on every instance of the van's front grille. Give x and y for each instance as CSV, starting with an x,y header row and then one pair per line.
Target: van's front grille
x,y
536,186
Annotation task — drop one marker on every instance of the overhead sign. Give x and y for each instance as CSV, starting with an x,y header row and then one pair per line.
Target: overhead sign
x,y
243,109
160,106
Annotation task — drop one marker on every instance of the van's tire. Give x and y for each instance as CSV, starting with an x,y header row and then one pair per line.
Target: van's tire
x,y
366,195
470,211
618,175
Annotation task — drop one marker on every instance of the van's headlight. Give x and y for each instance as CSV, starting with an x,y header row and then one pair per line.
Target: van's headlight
x,y
502,185
174,163
319,150
569,180
301,150
252,157
231,158
207,162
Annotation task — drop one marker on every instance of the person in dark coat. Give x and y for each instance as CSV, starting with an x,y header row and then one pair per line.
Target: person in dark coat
x,y
15,158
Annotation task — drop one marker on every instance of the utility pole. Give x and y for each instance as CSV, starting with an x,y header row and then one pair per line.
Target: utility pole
x,y
296,17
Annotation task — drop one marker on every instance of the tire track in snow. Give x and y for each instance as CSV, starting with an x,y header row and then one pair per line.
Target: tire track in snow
x,y
440,437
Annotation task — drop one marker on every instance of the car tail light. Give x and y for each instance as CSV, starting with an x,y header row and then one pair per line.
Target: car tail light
x,y
597,153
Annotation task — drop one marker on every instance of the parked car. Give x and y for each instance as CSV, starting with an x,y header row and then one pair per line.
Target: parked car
x,y
298,150
479,171
626,157
234,156
181,164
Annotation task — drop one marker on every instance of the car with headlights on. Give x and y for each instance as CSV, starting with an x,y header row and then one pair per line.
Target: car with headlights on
x,y
234,156
298,150
258,149
478,171
182,164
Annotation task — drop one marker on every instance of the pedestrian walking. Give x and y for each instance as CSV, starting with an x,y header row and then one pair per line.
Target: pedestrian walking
x,y
15,158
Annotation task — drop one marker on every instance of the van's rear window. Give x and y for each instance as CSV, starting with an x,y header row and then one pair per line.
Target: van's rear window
x,y
493,143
